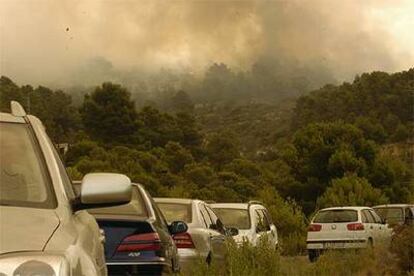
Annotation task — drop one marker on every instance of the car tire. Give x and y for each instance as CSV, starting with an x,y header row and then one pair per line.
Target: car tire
x,y
313,255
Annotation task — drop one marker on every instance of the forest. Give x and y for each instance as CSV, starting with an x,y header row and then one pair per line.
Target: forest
x,y
340,144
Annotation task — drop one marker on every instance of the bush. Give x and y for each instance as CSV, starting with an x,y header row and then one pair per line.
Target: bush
x,y
351,190
289,220
403,247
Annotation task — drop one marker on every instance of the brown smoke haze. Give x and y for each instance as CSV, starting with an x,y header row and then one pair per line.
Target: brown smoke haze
x,y
53,41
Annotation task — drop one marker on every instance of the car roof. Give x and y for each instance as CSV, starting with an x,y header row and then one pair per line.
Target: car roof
x,y
356,208
393,205
230,205
7,117
174,200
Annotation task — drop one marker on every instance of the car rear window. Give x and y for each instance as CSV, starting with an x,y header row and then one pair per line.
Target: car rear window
x,y
24,179
391,214
336,216
136,207
231,217
176,211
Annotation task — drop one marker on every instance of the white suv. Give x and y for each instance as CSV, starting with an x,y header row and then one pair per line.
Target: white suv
x,y
251,219
345,227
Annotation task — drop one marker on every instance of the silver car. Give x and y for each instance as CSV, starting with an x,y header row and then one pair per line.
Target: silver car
x,y
206,234
44,227
251,219
396,214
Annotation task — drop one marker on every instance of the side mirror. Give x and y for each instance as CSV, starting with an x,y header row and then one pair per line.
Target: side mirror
x,y
232,231
104,190
178,227
385,221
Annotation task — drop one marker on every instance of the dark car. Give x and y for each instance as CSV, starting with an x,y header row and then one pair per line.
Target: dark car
x,y
138,238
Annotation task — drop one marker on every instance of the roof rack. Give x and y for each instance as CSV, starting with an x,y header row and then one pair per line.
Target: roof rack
x,y
17,109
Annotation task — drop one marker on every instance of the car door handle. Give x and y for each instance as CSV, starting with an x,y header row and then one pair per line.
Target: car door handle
x,y
372,227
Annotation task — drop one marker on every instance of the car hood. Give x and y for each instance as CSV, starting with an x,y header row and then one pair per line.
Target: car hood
x,y
25,229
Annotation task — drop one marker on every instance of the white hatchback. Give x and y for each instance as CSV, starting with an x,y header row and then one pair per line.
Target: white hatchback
x,y
343,228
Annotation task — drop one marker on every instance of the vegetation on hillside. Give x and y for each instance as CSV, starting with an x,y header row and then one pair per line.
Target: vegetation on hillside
x,y
338,145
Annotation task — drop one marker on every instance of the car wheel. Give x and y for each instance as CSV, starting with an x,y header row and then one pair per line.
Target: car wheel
x,y
313,255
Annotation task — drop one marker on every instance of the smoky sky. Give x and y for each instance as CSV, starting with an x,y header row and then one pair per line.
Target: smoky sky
x,y
48,41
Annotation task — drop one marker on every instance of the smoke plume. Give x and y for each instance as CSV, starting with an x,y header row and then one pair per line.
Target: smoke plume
x,y
60,42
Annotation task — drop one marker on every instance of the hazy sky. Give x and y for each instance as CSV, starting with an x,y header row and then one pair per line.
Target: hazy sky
x,y
46,41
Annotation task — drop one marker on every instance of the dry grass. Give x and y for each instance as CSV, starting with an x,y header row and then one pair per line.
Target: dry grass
x,y
247,260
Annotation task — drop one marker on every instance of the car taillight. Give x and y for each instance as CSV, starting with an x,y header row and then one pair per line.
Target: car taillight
x,y
183,240
140,242
314,228
355,226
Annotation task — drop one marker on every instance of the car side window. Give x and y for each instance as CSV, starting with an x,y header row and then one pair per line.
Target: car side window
x,y
205,215
67,183
377,219
369,217
262,225
158,214
216,222
163,222
409,216
364,217
408,213
268,217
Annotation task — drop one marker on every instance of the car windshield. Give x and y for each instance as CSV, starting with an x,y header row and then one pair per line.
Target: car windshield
x,y
391,215
23,177
237,218
335,216
135,207
176,211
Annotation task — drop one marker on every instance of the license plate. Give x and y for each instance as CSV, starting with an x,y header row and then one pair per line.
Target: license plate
x,y
334,245
315,245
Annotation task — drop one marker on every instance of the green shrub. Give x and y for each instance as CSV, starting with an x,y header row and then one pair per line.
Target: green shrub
x,y
403,247
351,190
289,220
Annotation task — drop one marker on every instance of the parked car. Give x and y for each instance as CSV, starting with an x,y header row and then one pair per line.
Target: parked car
x,y
396,214
138,238
251,219
45,229
206,234
343,228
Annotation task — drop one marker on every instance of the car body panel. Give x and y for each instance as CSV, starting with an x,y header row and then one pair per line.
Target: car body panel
x,y
30,232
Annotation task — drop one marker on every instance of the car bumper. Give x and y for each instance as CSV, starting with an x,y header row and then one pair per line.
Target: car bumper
x,y
139,268
189,258
336,244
